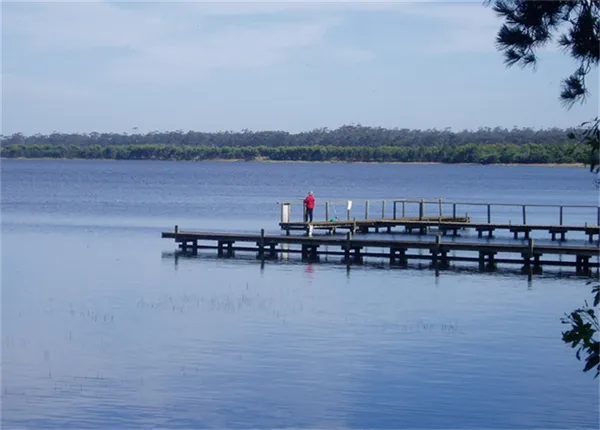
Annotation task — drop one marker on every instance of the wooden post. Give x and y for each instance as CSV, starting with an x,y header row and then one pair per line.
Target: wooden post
x,y
530,247
561,215
367,209
403,208
421,209
524,215
261,246
441,209
395,209
326,211
383,209
347,250
489,210
598,217
454,210
176,229
435,252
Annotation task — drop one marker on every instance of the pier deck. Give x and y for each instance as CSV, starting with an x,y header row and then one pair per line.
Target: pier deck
x,y
412,215
353,250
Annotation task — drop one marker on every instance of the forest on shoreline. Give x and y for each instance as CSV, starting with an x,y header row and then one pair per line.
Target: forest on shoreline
x,y
345,144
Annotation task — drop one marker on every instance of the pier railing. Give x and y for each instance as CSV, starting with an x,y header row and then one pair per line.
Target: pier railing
x,y
481,212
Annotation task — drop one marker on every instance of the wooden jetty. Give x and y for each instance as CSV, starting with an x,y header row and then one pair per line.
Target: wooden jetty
x,y
398,252
411,215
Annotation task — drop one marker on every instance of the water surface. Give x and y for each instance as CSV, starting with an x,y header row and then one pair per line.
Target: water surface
x,y
103,328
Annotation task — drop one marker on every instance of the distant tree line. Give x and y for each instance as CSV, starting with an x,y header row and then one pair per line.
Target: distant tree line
x,y
348,143
470,153
349,135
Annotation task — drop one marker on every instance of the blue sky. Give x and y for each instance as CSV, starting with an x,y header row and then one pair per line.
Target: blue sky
x,y
149,66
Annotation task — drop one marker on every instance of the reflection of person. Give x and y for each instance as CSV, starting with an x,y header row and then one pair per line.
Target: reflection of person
x,y
309,205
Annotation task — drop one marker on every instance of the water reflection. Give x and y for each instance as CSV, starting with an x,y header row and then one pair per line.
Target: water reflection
x,y
374,264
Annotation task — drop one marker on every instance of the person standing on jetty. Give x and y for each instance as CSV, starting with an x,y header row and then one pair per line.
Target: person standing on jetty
x,y
309,205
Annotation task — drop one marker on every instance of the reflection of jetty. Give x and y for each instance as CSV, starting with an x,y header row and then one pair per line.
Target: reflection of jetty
x,y
417,215
398,252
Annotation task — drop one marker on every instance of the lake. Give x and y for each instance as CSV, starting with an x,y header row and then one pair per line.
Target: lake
x,y
102,327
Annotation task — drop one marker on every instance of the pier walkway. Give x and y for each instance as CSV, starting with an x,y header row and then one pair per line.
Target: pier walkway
x,y
398,252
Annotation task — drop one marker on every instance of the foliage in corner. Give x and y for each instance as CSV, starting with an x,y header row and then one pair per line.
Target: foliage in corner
x,y
529,25
584,332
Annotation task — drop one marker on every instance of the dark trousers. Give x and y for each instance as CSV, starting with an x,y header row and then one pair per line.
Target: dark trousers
x,y
308,214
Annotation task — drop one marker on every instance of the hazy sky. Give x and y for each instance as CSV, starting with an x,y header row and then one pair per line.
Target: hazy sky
x,y
110,67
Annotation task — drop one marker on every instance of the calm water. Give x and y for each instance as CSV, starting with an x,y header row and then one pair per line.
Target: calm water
x,y
103,328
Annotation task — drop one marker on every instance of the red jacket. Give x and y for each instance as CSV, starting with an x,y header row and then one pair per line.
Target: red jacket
x,y
309,201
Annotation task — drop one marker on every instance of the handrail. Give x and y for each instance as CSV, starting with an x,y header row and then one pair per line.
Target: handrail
x,y
413,200
446,202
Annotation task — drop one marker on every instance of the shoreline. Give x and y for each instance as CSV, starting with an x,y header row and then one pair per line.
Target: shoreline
x,y
258,160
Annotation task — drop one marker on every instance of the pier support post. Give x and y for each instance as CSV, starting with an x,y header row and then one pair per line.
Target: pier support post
x,y
561,215
537,266
310,252
487,261
347,249
582,264
591,233
261,244
444,263
358,255
392,256
528,255
435,252
314,253
398,256
221,244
